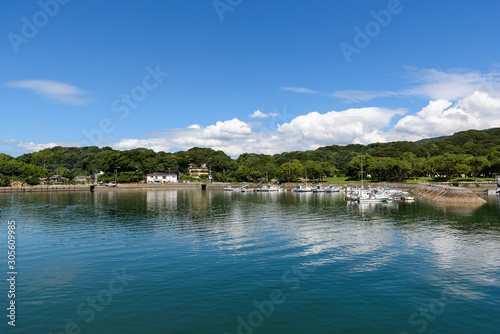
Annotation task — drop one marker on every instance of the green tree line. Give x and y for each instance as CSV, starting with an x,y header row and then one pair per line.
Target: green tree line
x,y
472,152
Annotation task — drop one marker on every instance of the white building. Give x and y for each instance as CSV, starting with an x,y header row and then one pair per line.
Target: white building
x,y
158,178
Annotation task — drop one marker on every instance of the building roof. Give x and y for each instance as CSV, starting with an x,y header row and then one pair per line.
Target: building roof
x,y
160,174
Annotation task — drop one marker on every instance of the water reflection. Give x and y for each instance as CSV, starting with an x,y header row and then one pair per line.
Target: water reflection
x,y
224,250
161,200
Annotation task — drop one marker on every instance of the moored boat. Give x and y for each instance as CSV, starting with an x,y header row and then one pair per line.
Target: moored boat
x,y
302,189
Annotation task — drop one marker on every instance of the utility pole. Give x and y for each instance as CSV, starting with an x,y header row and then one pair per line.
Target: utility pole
x,y
116,175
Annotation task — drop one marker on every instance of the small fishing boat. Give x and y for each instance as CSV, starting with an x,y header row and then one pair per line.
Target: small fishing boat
x,y
272,188
319,189
493,192
302,189
372,197
333,189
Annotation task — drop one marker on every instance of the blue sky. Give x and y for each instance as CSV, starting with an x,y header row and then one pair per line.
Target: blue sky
x,y
244,76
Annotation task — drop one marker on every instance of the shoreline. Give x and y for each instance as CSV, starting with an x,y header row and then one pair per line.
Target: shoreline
x,y
473,187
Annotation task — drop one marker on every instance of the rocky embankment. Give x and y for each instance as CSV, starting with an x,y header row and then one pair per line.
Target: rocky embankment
x,y
446,194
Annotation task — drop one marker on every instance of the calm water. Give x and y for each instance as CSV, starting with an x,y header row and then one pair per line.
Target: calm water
x,y
220,262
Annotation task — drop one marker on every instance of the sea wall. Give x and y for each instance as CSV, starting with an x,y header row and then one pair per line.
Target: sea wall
x,y
43,189
446,194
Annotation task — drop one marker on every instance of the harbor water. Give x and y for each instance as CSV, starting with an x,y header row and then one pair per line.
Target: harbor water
x,y
191,261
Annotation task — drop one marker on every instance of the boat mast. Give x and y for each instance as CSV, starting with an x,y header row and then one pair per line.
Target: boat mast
x,y
361,170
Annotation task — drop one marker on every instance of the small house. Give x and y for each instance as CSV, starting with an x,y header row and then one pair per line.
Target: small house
x,y
195,171
82,179
160,177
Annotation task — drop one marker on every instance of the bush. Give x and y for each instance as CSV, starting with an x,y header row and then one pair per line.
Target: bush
x,y
127,177
5,181
32,180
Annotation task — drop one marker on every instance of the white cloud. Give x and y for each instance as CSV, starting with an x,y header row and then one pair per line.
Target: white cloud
x,y
302,90
443,117
339,127
33,147
232,129
349,96
432,84
455,106
303,132
355,125
450,85
260,114
58,91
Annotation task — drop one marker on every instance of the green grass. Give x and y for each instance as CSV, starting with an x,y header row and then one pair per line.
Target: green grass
x,y
410,180
454,180
342,180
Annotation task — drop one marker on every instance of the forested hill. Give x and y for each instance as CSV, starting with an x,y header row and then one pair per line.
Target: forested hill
x,y
132,165
473,142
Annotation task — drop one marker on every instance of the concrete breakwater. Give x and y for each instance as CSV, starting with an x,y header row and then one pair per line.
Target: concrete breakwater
x,y
446,194
43,189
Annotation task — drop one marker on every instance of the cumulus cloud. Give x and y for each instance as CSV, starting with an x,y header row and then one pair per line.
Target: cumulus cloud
x,y
260,114
310,131
443,117
440,117
232,129
361,125
458,100
53,90
303,132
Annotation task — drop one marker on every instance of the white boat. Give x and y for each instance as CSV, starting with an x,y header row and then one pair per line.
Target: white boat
x,y
333,189
319,189
230,189
493,192
272,188
372,197
302,189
